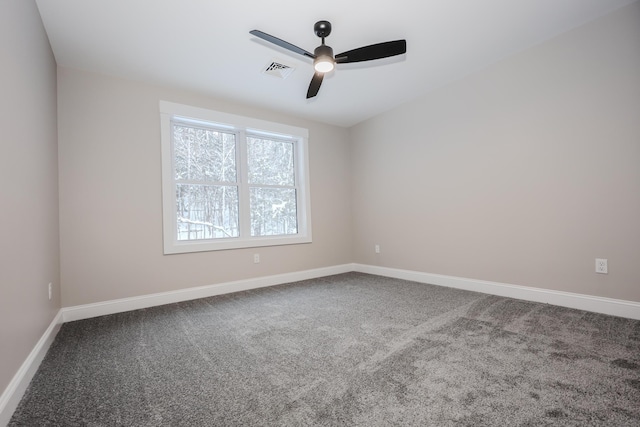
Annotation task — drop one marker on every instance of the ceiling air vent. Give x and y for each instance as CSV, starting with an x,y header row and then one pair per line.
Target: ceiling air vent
x,y
279,70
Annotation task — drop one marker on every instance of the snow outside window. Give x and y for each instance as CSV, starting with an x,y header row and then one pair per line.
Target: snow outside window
x,y
231,181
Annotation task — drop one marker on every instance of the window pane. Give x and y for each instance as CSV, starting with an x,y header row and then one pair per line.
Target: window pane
x,y
204,154
206,211
273,211
270,162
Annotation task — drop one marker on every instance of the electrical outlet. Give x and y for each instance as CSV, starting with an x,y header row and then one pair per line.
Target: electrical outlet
x,y
50,291
377,249
256,258
601,266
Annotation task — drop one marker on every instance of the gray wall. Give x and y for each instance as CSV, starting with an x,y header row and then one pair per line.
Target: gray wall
x,y
29,191
110,195
523,173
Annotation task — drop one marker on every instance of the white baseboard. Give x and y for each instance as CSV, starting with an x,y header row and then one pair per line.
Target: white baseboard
x,y
595,304
87,311
15,390
613,307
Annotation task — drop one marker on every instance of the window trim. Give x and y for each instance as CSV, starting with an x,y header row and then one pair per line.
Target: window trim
x,y
245,125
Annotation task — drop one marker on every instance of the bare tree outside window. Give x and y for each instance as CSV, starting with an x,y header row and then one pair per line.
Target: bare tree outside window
x,y
207,192
206,183
272,187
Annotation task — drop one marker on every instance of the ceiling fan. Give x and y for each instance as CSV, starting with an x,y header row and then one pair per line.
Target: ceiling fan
x,y
323,59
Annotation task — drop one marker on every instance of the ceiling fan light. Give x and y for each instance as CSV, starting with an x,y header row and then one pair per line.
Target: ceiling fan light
x,y
323,65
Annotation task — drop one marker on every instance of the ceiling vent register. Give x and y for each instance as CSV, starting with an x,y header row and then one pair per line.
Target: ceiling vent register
x,y
279,70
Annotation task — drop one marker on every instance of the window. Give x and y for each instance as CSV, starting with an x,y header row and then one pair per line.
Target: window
x,y
231,182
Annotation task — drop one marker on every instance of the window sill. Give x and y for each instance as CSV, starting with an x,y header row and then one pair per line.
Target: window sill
x,y
235,243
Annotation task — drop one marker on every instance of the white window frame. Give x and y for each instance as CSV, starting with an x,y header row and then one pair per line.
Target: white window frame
x,y
242,125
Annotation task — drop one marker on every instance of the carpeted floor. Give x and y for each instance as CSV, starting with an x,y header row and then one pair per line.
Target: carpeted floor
x,y
353,350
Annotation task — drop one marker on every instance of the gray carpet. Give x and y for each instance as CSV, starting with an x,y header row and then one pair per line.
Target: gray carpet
x,y
351,349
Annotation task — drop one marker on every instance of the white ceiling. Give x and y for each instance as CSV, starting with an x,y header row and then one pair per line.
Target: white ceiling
x,y
205,45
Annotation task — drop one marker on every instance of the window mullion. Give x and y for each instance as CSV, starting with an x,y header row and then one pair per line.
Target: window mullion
x,y
300,177
274,186
243,186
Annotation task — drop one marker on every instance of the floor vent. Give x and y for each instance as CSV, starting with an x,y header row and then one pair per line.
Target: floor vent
x,y
279,70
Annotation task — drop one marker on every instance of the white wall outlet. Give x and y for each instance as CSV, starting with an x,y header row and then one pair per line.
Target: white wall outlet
x,y
256,258
50,287
601,266
377,249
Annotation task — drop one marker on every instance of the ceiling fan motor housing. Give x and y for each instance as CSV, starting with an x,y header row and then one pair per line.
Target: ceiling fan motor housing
x,y
324,51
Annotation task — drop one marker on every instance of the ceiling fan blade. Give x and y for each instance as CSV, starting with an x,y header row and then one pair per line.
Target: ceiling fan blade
x,y
374,51
314,86
281,43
